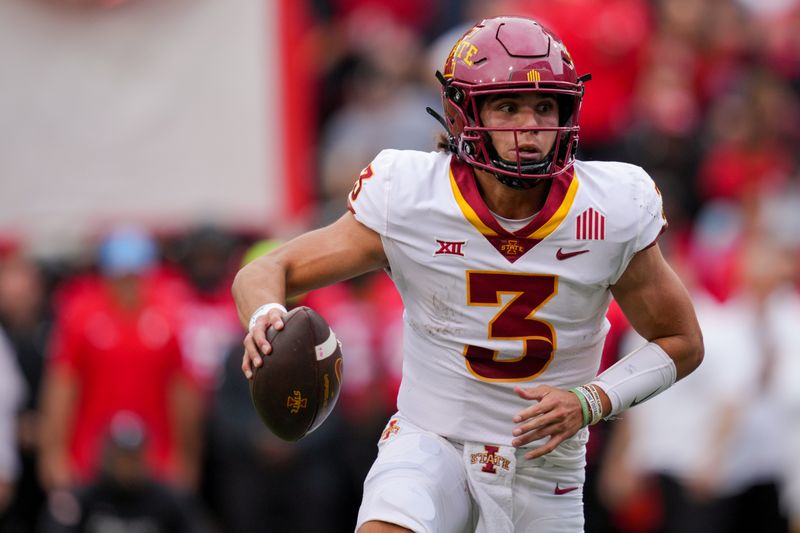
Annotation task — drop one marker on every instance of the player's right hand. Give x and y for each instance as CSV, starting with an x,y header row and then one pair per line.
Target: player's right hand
x,y
255,342
555,415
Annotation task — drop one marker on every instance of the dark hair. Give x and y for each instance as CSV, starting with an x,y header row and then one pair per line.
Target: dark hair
x,y
442,145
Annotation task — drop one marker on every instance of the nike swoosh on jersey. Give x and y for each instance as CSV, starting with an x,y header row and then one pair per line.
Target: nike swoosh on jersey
x,y
561,255
559,491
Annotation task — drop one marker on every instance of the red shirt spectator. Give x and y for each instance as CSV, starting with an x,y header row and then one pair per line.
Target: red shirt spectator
x,y
122,359
115,349
742,172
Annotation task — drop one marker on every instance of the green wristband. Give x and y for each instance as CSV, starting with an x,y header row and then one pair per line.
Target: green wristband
x,y
584,406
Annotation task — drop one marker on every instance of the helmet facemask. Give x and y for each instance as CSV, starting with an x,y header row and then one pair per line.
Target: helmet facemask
x,y
474,144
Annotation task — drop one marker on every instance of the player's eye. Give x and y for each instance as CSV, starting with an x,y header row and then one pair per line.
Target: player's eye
x,y
545,106
507,107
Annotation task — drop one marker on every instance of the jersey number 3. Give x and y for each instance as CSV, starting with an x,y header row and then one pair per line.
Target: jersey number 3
x,y
515,321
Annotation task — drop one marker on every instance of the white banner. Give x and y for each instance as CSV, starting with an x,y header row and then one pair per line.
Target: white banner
x,y
157,111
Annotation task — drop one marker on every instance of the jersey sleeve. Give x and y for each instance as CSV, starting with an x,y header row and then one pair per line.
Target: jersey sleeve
x,y
369,200
652,219
647,220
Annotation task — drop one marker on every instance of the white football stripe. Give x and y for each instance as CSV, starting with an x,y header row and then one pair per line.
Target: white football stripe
x,y
327,348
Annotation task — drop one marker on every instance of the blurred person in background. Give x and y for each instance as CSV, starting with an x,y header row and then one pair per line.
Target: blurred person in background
x,y
261,484
125,497
12,395
777,22
349,30
716,444
24,315
751,146
491,428
778,220
382,87
115,348
207,258
665,124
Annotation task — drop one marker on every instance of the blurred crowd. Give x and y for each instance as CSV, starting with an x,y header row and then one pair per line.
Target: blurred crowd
x,y
122,405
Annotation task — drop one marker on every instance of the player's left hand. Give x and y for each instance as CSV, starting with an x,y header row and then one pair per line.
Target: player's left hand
x,y
556,414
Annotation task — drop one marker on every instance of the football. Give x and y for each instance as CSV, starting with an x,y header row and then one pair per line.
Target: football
x,y
296,388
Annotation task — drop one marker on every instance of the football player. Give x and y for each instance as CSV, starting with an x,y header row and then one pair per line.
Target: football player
x,y
506,251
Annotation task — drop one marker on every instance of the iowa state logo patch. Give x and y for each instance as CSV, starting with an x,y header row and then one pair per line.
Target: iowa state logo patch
x,y
490,459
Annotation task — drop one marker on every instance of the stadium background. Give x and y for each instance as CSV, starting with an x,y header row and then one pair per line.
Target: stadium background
x,y
214,125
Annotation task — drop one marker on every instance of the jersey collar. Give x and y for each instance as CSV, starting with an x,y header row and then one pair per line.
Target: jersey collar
x,y
512,245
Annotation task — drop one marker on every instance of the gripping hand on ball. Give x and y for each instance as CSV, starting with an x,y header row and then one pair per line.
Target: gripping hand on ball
x,y
255,342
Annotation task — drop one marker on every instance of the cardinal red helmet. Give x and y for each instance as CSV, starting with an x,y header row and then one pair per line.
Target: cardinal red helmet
x,y
510,55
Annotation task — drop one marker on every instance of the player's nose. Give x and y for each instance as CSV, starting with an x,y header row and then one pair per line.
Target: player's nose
x,y
529,121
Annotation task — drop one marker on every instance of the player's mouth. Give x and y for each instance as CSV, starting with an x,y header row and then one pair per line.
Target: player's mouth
x,y
528,153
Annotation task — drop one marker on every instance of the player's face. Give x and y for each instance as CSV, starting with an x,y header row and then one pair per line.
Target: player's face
x,y
523,111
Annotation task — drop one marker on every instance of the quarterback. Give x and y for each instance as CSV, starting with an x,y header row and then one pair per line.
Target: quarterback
x,y
506,251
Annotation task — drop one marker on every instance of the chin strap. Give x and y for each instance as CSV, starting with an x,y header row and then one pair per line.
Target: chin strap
x,y
527,169
518,183
451,141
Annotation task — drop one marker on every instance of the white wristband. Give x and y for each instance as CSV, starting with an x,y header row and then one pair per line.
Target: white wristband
x,y
595,405
640,375
263,310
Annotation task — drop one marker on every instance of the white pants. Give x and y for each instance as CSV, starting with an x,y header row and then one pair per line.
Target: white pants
x,y
429,484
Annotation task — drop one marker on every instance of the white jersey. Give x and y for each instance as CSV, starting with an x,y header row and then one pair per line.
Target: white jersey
x,y
487,309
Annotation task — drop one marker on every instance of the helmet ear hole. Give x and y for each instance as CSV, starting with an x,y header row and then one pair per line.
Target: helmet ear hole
x,y
455,94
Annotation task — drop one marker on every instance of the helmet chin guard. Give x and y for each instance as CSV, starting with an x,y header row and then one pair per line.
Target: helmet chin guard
x,y
533,170
510,55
